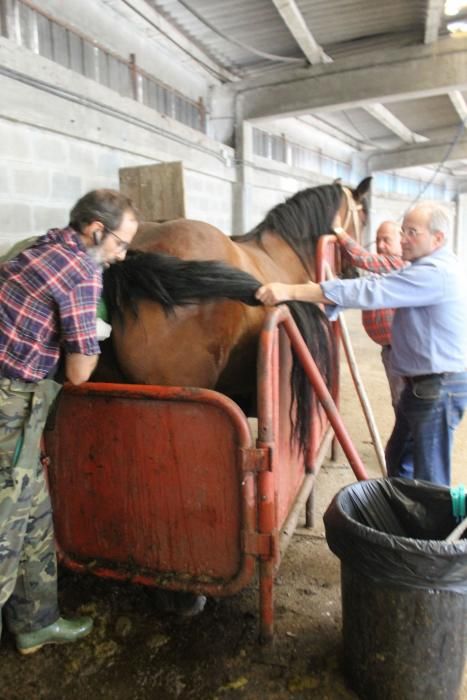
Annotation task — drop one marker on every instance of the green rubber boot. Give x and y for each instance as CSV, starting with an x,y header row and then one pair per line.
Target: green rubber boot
x,y
60,632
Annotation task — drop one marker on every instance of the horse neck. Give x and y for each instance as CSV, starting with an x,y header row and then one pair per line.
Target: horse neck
x,y
274,260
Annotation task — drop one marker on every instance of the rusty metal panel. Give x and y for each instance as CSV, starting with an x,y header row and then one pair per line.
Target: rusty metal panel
x,y
163,485
288,466
274,425
146,480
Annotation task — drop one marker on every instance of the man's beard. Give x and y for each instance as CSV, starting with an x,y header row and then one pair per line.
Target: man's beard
x,y
95,252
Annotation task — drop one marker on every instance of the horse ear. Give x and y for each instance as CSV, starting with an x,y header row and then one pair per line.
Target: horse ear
x,y
362,189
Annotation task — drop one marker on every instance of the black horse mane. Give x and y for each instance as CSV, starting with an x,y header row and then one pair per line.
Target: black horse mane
x,y
173,282
301,220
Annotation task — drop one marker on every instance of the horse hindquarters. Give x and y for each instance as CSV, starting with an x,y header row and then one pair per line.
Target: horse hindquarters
x,y
188,347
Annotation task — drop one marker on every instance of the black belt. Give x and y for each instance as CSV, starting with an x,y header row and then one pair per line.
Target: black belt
x,y
422,377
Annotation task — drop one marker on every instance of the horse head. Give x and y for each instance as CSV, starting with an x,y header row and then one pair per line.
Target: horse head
x,y
353,211
311,213
352,217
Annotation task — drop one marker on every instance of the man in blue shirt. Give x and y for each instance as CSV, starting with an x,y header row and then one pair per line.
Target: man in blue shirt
x,y
429,339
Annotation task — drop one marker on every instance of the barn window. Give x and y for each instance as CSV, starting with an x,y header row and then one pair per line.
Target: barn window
x,y
34,29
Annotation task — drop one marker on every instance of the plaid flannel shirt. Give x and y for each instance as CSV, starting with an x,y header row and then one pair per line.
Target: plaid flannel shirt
x,y
48,300
376,323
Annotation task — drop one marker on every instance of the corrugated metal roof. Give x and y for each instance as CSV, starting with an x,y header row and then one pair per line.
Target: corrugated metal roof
x,y
426,113
335,24
230,31
256,24
359,124
336,21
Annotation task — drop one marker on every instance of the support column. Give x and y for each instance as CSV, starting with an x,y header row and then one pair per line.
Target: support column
x,y
460,229
243,188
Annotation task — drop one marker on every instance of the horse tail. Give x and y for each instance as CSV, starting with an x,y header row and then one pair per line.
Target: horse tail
x,y
172,282
315,330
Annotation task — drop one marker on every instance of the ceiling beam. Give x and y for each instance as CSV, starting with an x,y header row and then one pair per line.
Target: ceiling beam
x,y
295,23
433,16
420,154
391,122
400,74
315,54
459,103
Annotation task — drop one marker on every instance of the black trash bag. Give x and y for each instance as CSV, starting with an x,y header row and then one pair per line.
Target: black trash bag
x,y
392,531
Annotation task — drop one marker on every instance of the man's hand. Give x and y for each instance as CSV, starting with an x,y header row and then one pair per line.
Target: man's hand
x,y
274,293
336,226
78,368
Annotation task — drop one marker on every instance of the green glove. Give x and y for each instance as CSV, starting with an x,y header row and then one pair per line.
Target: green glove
x,y
104,329
102,310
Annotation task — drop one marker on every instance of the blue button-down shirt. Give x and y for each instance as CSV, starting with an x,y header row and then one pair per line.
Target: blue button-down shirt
x,y
429,331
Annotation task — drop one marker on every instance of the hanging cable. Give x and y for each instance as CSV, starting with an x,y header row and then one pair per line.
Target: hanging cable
x,y
460,130
203,64
364,138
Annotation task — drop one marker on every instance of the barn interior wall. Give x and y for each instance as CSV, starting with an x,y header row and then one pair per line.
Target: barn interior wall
x,y
45,172
111,29
62,134
272,183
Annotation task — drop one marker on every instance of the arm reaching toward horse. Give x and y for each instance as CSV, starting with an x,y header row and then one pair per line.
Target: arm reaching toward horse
x,y
388,246
78,368
277,292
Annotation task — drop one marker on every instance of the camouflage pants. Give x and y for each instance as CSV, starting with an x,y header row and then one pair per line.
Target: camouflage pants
x,y
28,570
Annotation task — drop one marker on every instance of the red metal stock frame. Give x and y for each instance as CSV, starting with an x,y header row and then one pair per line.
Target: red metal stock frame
x,y
271,479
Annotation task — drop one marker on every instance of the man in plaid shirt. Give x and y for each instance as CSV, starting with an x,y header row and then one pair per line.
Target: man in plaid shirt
x,y
48,300
377,323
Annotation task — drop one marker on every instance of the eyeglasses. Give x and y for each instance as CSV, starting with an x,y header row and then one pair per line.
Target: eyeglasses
x,y
123,245
411,233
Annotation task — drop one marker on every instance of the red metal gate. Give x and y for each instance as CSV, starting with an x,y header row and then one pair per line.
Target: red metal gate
x,y
166,486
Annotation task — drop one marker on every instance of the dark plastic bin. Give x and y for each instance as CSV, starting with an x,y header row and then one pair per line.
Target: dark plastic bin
x,y
404,590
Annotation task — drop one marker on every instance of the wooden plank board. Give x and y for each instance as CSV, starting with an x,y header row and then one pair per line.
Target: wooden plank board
x,y
156,190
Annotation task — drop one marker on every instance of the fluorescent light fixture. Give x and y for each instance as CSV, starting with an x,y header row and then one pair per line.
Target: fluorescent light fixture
x,y
457,27
453,7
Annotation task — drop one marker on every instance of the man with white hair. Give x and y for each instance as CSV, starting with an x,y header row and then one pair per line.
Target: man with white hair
x,y
429,339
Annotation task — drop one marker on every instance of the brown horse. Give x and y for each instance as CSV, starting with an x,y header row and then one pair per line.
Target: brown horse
x,y
214,344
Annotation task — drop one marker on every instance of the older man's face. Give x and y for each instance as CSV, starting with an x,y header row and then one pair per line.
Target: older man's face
x,y
417,239
388,239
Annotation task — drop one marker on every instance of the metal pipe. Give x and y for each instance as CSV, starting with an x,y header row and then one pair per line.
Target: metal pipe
x,y
303,495
361,391
321,390
363,396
